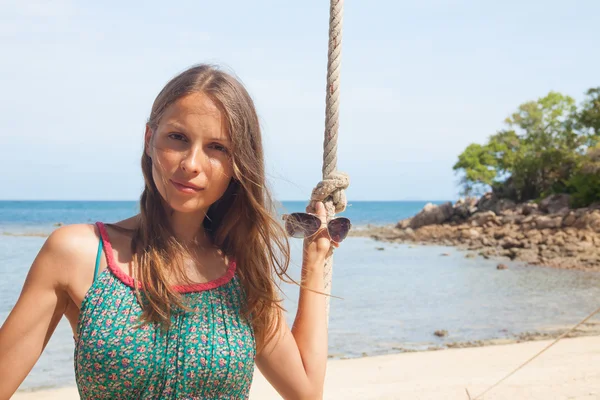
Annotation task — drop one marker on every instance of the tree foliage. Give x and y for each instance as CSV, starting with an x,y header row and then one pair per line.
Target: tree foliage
x,y
540,152
589,117
584,185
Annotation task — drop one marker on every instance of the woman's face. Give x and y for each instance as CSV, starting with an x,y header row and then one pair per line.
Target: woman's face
x,y
190,151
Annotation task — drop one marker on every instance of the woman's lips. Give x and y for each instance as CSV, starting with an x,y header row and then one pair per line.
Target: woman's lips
x,y
185,187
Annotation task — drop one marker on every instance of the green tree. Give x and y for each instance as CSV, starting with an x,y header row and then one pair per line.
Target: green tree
x,y
584,185
538,152
479,166
589,117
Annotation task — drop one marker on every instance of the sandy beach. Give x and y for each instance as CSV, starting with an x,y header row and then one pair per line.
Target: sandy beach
x,y
569,370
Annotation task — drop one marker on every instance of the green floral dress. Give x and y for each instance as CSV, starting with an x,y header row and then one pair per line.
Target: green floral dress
x,y
206,354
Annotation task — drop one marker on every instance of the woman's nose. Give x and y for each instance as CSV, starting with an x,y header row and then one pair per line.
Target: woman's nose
x,y
194,161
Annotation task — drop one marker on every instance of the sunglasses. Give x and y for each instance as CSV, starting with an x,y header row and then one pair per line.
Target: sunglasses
x,y
303,225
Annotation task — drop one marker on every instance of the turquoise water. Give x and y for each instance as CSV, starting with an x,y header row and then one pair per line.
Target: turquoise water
x,y
20,216
392,299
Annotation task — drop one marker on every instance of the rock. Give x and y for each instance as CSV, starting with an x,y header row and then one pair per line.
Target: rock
x,y
569,219
534,236
487,202
470,255
510,253
510,242
552,204
476,245
405,223
474,233
511,219
528,219
544,222
502,266
441,333
574,248
526,255
562,212
482,218
380,248
445,254
408,234
490,202
470,234
489,252
589,220
486,242
527,244
499,234
503,206
559,241
529,208
432,215
463,209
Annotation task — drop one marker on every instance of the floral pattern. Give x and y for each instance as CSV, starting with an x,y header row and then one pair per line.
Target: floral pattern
x,y
207,353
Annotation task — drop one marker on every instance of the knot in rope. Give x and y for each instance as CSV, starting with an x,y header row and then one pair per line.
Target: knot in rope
x,y
331,191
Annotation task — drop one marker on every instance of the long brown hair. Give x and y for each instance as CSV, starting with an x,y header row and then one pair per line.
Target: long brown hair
x,y
242,223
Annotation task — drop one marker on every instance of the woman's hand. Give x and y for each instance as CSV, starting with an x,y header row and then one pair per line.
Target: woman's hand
x,y
318,245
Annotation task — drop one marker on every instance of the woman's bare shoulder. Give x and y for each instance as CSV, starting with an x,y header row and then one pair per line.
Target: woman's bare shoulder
x,y
76,243
71,245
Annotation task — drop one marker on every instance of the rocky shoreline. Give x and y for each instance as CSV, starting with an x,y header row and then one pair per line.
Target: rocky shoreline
x,y
547,233
590,328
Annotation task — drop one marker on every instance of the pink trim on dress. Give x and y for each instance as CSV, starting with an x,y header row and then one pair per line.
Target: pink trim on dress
x,y
129,281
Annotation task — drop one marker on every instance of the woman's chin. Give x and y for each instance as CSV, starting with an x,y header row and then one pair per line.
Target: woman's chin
x,y
188,206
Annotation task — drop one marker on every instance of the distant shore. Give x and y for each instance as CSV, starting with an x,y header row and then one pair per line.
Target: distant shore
x,y
548,233
568,370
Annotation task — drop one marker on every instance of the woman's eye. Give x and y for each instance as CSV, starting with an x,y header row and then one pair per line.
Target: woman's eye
x,y
219,147
177,136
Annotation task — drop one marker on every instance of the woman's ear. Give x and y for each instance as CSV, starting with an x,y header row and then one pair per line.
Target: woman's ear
x,y
147,141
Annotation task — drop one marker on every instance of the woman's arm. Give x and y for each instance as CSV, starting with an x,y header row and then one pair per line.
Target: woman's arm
x,y
295,361
43,300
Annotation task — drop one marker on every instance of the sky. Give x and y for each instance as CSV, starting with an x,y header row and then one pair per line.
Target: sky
x,y
420,80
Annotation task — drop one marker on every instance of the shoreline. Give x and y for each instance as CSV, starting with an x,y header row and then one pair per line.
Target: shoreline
x,y
584,258
548,232
567,370
589,329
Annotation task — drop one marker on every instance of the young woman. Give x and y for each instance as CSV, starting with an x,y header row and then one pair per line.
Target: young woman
x,y
181,301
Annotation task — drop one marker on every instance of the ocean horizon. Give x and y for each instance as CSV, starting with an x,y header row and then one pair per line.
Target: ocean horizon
x,y
16,215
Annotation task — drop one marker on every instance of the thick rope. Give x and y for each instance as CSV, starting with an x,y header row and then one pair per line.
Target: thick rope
x,y
331,189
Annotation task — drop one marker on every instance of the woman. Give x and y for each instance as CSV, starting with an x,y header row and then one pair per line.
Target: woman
x,y
180,301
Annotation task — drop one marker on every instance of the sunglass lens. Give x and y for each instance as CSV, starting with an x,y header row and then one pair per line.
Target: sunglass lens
x,y
300,225
339,228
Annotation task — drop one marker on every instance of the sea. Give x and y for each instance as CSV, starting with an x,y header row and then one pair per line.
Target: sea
x,y
389,298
